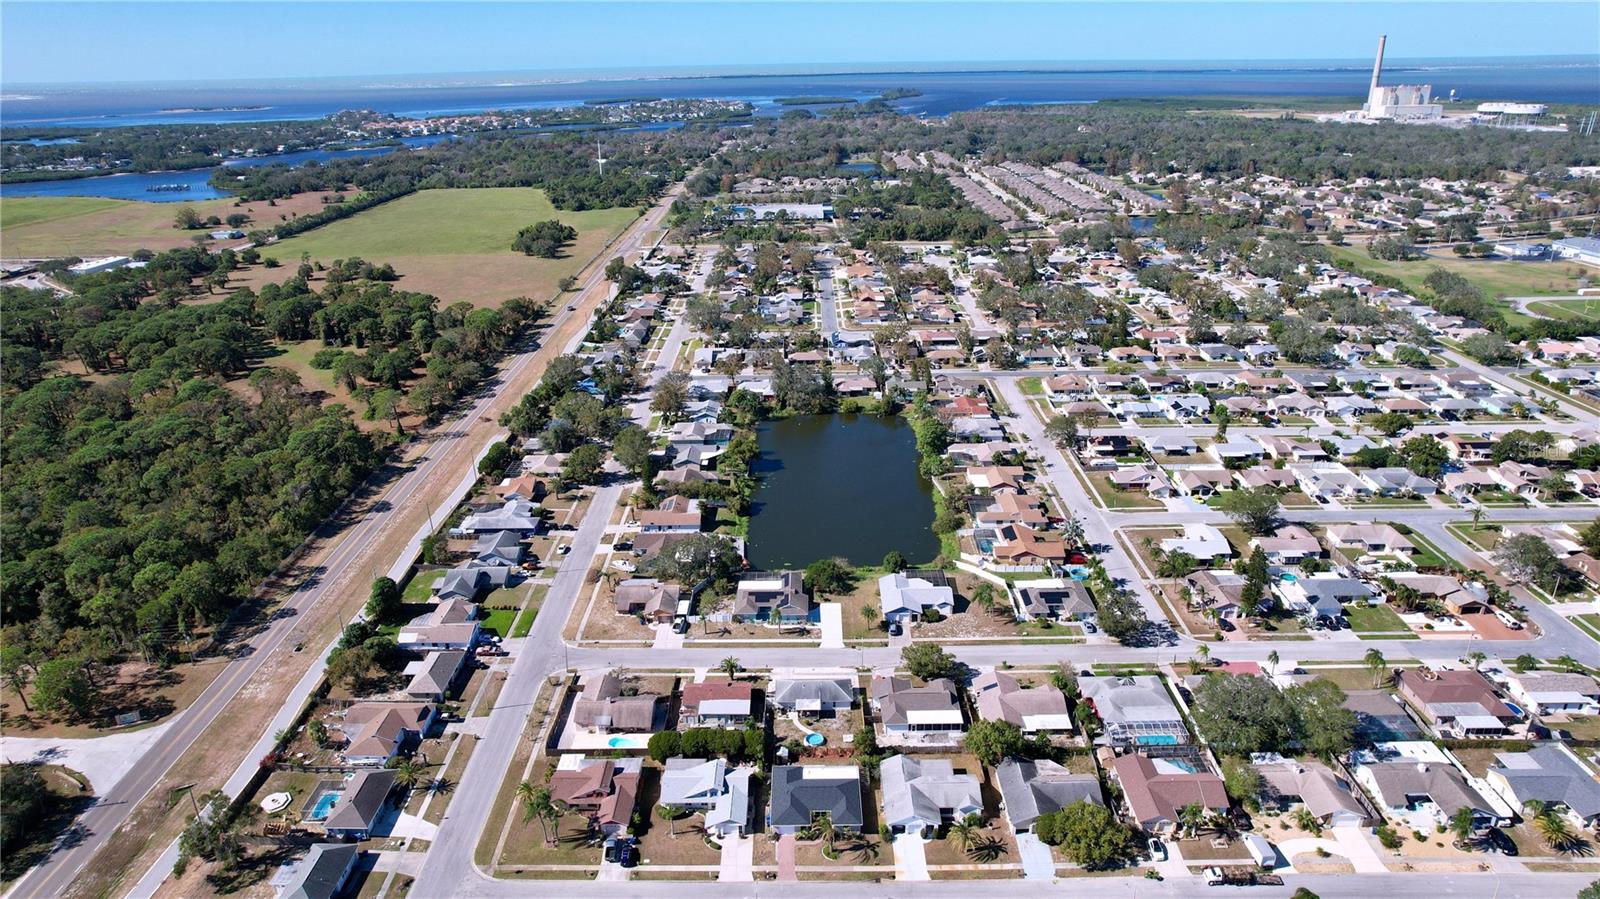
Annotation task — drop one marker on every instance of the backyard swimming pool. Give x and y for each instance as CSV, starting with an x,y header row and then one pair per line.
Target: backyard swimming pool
x,y
324,806
629,741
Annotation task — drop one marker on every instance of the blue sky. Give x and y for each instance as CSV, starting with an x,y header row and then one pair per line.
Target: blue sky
x,y
65,42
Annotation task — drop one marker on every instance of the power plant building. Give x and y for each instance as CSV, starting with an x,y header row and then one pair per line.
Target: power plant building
x,y
1403,102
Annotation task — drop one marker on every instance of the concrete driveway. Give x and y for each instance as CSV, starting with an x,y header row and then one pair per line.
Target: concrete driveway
x,y
1037,862
832,622
104,760
910,857
738,858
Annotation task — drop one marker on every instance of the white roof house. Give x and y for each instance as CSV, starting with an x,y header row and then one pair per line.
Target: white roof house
x,y
906,597
1202,541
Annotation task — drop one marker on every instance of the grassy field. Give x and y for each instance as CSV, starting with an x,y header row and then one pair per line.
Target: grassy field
x,y
456,244
1568,310
1497,277
51,227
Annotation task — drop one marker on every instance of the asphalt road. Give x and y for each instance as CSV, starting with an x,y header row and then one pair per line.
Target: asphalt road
x,y
442,464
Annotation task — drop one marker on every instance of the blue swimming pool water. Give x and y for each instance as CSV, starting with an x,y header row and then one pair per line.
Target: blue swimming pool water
x,y
1157,740
814,739
324,806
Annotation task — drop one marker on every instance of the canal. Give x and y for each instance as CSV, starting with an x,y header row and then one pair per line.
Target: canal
x,y
839,485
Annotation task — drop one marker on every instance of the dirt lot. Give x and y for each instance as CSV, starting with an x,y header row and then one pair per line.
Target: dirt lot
x,y
133,686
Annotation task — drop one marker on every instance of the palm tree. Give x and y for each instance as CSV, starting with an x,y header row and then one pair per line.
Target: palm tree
x,y
672,813
729,666
1072,531
1475,659
965,831
1190,818
1477,515
1272,663
536,804
1552,825
825,830
408,771
1461,824
1375,663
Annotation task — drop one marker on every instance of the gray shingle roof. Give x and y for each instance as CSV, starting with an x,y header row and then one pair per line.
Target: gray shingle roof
x,y
800,792
1033,788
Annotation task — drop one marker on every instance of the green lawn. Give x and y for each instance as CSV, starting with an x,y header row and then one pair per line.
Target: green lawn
x,y
456,243
524,622
1497,277
443,223
499,621
18,211
1366,619
1031,386
1568,310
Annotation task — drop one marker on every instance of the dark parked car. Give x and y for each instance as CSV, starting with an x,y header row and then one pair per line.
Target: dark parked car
x,y
895,629
1496,840
629,856
613,853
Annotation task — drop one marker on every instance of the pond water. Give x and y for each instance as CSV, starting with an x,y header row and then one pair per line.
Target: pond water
x,y
839,485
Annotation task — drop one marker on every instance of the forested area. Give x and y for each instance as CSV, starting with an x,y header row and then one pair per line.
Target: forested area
x,y
638,168
148,148
144,497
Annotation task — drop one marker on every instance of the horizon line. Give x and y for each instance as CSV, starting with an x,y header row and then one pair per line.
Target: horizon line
x,y
817,69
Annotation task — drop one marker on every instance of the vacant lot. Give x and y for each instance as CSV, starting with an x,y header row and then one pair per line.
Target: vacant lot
x,y
456,244
49,227
1497,277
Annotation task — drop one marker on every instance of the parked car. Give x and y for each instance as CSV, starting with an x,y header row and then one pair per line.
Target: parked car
x,y
613,853
624,564
1496,840
629,856
895,629
680,626
563,549
1158,850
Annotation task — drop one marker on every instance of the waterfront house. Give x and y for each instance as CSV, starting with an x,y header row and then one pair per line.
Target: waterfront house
x,y
760,593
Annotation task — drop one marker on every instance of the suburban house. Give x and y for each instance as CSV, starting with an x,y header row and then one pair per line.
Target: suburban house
x,y
518,516
709,787
1550,773
814,696
467,584
1019,546
601,706
603,789
1029,789
1457,704
1555,693
1381,717
1290,544
921,794
717,704
1417,783
448,625
1156,790
1287,782
1458,597
1202,542
1059,599
435,675
1322,595
1370,538
375,731
1135,711
647,597
1033,710
905,709
498,549
323,873
762,592
800,794
675,515
904,597
360,804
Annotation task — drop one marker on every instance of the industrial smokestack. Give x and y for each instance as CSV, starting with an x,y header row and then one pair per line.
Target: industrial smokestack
x,y
1377,64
